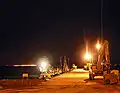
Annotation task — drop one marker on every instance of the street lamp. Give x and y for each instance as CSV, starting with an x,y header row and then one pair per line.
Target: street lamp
x,y
43,64
88,56
98,45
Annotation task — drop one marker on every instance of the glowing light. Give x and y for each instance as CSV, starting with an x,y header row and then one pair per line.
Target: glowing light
x,y
98,45
88,56
43,64
25,65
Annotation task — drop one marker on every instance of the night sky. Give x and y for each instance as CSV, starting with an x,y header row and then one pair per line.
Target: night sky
x,y
50,28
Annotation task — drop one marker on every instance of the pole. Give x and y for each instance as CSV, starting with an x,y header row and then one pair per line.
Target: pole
x,y
101,21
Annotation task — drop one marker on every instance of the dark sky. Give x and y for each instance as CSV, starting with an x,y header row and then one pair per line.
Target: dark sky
x,y
30,29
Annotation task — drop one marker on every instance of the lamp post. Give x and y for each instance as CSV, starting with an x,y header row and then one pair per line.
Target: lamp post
x,y
89,58
98,45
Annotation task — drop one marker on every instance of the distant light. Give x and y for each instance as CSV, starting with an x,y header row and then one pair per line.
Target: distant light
x,y
43,64
98,45
25,65
87,56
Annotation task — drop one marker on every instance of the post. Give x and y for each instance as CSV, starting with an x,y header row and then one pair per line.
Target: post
x,y
101,22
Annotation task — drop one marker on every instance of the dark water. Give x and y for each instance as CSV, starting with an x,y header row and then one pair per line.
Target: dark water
x,y
12,72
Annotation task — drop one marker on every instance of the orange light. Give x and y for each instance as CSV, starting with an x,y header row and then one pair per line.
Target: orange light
x,y
88,56
98,45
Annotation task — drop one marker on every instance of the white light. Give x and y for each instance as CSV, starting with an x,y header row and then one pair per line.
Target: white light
x,y
43,65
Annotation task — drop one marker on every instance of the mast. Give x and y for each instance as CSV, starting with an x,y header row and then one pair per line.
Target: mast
x,y
101,20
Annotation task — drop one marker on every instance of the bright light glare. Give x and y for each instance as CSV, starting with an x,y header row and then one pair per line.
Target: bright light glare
x,y
88,56
98,46
43,65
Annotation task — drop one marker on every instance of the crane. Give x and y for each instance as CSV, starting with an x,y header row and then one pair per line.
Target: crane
x,y
102,66
104,57
64,62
